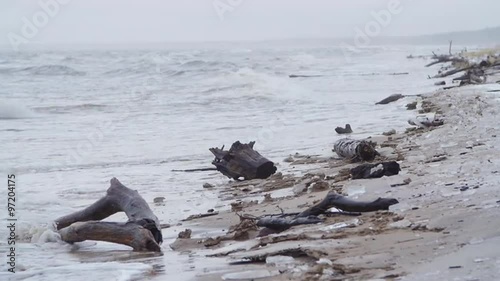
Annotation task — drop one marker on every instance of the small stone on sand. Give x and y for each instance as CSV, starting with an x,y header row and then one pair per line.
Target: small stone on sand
x,y
207,185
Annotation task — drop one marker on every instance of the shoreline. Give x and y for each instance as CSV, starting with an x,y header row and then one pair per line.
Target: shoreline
x,y
438,230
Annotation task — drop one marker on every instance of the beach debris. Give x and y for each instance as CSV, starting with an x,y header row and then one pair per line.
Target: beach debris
x,y
158,200
389,133
199,216
440,83
288,248
267,198
424,122
475,72
391,98
282,222
346,130
378,170
405,182
412,105
239,232
389,144
342,175
241,161
207,185
240,205
454,266
355,150
186,234
320,186
436,158
427,107
250,274
142,232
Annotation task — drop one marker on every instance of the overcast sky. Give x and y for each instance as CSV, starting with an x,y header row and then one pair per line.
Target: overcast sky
x,y
115,21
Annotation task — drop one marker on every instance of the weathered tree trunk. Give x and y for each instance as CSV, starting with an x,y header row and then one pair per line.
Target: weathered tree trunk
x,y
241,161
369,171
355,150
142,231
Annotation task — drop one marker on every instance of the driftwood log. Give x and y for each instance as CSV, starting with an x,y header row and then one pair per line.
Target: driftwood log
x,y
390,99
474,72
332,200
355,150
141,232
369,171
241,161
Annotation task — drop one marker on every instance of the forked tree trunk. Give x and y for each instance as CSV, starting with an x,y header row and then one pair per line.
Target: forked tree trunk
x,y
355,150
241,161
141,232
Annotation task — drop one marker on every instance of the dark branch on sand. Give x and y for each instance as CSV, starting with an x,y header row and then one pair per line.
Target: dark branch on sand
x,y
332,200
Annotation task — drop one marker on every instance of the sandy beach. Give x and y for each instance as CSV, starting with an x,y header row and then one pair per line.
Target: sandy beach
x,y
445,226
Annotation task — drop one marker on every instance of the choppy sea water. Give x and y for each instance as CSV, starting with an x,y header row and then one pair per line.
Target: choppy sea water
x,y
70,120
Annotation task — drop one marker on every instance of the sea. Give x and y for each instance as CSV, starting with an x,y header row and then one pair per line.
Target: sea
x,y
73,118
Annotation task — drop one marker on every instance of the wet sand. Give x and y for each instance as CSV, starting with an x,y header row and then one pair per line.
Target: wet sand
x,y
445,226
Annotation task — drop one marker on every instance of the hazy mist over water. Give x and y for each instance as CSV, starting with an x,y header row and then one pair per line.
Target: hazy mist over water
x,y
127,21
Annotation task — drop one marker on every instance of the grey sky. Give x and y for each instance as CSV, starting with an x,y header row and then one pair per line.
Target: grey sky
x,y
114,21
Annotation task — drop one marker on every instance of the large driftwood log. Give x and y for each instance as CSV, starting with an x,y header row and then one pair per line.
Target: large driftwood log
x,y
141,232
241,161
355,150
332,200
378,170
